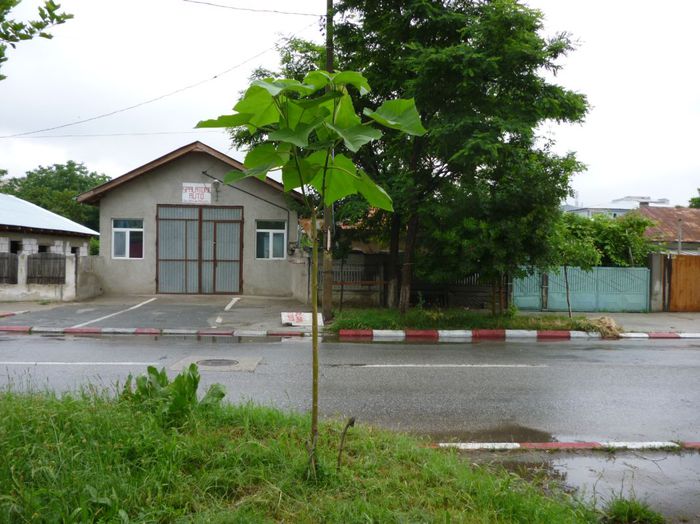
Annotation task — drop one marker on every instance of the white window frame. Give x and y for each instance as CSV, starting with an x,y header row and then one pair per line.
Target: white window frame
x,y
269,239
128,231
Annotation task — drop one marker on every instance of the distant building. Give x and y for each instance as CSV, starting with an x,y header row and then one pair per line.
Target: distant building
x,y
617,207
674,226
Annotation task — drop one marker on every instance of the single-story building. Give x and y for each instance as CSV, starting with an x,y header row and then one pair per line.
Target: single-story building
x,y
674,226
40,253
173,226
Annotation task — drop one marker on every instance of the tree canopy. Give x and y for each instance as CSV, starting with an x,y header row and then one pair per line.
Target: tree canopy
x,y
55,188
12,32
695,201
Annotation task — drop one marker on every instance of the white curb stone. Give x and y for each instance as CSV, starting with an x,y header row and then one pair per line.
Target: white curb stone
x,y
634,335
118,331
689,335
179,332
480,445
455,335
584,334
249,333
520,333
47,329
395,334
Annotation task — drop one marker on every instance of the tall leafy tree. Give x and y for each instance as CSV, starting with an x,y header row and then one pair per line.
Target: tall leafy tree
x,y
695,201
55,188
12,32
476,70
302,129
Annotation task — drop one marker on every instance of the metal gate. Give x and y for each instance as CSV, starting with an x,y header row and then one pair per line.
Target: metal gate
x,y
199,249
684,294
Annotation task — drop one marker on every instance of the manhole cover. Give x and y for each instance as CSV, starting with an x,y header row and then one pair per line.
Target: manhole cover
x,y
217,362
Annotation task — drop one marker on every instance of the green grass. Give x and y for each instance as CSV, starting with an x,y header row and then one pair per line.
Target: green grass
x,y
88,458
418,318
623,511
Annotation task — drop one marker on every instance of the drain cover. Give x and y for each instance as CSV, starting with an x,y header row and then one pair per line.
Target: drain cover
x,y
212,362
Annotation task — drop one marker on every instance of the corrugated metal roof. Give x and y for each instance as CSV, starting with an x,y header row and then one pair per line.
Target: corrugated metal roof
x,y
666,219
15,212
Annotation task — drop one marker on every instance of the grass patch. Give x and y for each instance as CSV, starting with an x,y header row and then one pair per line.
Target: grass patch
x,y
90,458
456,318
632,511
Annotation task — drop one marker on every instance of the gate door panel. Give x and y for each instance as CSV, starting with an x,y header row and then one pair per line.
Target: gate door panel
x,y
685,283
199,249
178,241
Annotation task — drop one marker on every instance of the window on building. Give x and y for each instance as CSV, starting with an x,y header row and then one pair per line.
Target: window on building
x,y
74,250
43,248
15,246
127,238
270,239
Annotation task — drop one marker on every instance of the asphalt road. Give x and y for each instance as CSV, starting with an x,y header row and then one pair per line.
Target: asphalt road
x,y
489,391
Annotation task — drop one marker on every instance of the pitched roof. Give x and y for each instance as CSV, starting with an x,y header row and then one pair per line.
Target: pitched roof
x,y
95,194
19,215
666,218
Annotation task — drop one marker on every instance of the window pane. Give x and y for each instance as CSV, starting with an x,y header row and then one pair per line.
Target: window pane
x,y
271,224
127,223
277,245
135,244
120,243
262,247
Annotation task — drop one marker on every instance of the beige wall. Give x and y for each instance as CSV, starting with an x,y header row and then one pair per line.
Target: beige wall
x,y
21,291
55,243
139,198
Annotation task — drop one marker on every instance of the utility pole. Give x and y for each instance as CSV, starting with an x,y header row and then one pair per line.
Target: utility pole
x,y
327,299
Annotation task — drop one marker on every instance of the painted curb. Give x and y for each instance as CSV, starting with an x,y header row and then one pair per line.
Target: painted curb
x,y
608,445
386,335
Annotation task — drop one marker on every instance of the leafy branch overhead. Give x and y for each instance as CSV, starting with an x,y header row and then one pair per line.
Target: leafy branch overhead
x,y
304,122
13,32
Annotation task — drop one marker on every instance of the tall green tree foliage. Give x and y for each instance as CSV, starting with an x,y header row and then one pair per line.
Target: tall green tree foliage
x,y
303,127
695,201
55,188
476,70
12,32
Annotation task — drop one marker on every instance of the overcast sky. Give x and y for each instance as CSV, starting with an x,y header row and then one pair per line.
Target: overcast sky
x,y
636,61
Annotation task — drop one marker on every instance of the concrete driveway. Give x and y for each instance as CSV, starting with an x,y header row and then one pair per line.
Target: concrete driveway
x,y
157,311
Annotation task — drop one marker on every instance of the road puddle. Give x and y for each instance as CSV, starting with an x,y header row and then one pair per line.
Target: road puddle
x,y
669,482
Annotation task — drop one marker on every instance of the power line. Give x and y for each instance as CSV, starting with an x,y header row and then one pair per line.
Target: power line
x,y
150,100
251,10
145,133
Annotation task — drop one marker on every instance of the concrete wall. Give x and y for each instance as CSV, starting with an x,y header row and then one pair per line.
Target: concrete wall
x,y
54,292
138,199
656,285
89,283
54,243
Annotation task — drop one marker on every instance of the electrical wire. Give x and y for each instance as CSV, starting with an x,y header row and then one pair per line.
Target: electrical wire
x,y
150,100
145,133
251,10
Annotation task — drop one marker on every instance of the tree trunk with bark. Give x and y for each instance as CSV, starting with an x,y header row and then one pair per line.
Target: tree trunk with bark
x,y
407,269
392,292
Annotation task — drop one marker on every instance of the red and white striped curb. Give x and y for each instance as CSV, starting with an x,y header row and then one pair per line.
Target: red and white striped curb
x,y
454,335
608,445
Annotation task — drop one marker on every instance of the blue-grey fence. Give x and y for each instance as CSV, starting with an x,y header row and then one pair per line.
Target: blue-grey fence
x,y
611,289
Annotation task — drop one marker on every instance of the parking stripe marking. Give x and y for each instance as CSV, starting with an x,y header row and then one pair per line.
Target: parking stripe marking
x,y
49,363
115,314
231,304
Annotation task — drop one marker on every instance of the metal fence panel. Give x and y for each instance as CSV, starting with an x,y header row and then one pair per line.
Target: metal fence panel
x,y
8,268
527,292
609,289
46,268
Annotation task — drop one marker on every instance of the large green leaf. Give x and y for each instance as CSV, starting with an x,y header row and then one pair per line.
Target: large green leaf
x,y
297,173
298,136
308,103
341,175
236,120
400,114
374,194
357,136
354,79
345,115
260,105
277,87
319,79
262,159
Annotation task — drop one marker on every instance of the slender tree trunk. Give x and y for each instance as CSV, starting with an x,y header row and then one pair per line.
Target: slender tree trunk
x,y
568,295
327,301
407,269
493,298
393,280
314,343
